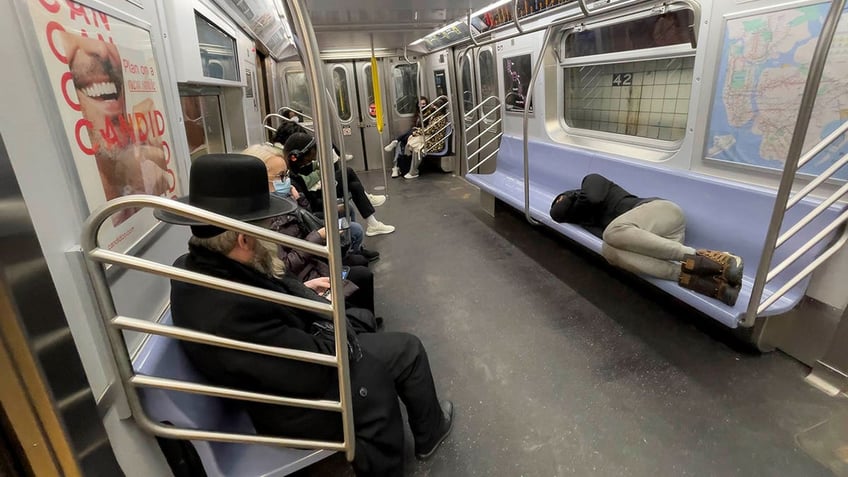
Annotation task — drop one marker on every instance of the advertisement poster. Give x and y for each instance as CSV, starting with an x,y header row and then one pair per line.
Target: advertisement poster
x,y
517,72
109,95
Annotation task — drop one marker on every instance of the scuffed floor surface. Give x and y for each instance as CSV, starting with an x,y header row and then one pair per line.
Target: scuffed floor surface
x,y
560,365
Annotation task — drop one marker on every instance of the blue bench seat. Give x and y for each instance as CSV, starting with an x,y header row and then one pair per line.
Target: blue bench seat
x,y
163,357
720,215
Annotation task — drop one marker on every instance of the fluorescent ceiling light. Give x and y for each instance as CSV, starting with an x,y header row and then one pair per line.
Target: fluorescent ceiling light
x,y
354,50
444,28
489,7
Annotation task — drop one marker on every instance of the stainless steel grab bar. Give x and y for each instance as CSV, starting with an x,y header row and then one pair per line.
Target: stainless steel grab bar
x,y
307,47
528,99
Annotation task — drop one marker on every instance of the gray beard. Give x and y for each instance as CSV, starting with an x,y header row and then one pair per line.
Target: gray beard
x,y
265,259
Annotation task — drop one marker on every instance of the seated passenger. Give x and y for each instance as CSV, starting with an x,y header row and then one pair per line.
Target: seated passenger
x,y
646,236
305,266
383,366
401,140
279,183
430,138
301,150
364,201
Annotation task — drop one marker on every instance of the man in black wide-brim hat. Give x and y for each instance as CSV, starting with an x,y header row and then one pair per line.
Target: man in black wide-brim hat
x,y
383,366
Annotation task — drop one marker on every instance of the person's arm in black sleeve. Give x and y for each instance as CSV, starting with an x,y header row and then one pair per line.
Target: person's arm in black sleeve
x,y
596,187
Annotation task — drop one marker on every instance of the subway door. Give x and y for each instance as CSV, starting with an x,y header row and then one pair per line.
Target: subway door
x,y
489,128
342,86
467,98
372,143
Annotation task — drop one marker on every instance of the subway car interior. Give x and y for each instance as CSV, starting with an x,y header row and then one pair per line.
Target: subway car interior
x,y
576,237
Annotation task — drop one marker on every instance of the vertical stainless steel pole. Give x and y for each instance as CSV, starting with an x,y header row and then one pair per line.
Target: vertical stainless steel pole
x,y
527,101
808,101
307,47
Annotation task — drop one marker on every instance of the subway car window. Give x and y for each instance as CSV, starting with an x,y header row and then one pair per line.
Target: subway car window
x,y
643,97
405,79
204,127
671,28
217,51
342,94
298,92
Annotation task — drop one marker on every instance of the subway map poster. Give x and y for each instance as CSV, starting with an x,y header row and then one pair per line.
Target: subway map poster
x,y
764,65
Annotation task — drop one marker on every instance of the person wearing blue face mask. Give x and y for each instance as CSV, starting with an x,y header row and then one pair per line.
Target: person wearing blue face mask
x,y
279,183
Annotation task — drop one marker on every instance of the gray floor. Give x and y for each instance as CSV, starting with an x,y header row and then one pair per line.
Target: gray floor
x,y
560,365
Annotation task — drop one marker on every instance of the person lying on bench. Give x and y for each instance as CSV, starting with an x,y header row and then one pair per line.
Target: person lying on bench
x,y
646,236
383,366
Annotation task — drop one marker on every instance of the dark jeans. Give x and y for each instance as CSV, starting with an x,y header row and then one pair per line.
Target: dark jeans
x,y
402,140
356,190
364,279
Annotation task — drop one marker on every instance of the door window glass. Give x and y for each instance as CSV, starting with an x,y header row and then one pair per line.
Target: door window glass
x,y
342,95
467,84
405,80
369,89
298,92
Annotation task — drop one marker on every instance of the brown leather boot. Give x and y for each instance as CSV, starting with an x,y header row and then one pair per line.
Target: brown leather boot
x,y
714,287
712,262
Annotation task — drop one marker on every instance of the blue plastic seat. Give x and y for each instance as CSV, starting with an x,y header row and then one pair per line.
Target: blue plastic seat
x,y
163,357
720,215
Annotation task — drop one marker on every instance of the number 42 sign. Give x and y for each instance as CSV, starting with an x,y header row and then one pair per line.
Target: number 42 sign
x,y
622,79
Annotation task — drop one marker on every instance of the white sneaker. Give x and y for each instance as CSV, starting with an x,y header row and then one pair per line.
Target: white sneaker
x,y
410,176
376,200
395,172
391,146
378,229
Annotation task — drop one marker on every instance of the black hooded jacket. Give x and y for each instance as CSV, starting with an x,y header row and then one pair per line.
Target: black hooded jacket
x,y
598,202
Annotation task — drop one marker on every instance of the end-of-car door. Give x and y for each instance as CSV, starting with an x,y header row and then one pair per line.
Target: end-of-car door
x,y
371,140
343,88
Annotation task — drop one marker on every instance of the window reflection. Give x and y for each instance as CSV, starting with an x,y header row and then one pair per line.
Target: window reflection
x,y
203,125
342,95
671,28
298,92
217,51
405,80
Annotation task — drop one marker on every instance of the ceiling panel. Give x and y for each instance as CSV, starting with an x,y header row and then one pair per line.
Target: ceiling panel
x,y
349,24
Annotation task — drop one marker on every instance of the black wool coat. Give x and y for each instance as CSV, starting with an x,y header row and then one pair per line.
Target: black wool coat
x,y
238,317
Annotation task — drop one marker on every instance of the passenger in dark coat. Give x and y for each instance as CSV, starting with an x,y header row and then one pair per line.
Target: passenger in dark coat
x,y
383,366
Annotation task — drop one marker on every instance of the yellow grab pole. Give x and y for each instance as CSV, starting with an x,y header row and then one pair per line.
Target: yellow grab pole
x,y
378,104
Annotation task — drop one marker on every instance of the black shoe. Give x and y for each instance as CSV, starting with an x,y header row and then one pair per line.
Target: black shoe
x,y
447,425
715,287
371,255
